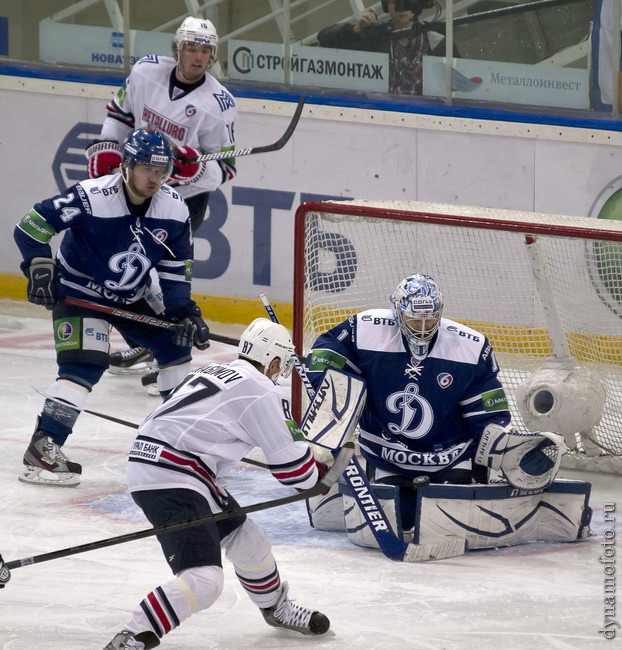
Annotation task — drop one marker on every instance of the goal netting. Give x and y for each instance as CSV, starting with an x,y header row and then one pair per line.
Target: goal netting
x,y
545,289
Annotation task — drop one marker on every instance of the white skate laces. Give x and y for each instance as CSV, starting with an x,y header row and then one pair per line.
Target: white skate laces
x,y
286,614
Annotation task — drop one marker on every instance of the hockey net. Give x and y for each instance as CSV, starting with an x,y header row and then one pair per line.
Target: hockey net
x,y
539,286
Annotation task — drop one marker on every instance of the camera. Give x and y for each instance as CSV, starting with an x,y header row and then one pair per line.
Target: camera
x,y
416,6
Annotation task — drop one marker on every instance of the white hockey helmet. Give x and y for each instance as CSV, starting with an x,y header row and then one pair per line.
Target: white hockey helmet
x,y
197,30
418,307
262,341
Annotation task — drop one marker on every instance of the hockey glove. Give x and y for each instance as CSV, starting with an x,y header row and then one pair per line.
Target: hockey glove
x,y
103,158
322,468
5,574
185,171
41,276
192,329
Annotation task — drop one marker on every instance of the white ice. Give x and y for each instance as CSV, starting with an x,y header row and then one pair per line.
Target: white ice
x,y
534,596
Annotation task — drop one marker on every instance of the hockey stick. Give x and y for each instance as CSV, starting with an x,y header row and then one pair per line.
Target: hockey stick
x,y
345,453
362,492
125,423
141,318
297,360
275,146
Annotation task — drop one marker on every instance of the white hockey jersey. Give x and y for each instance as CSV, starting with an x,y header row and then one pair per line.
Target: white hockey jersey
x,y
213,418
202,118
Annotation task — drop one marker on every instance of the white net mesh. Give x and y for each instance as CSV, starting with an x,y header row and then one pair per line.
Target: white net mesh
x,y
356,252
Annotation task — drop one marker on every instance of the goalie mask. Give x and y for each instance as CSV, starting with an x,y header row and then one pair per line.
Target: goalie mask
x,y
144,147
418,307
262,341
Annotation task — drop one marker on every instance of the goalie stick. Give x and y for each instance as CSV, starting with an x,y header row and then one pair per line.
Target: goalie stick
x,y
343,457
131,425
275,146
389,543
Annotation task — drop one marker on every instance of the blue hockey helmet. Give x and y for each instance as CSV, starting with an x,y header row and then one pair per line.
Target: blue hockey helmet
x,y
147,147
418,306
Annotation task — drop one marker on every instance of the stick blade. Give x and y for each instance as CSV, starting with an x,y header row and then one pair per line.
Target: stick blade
x,y
451,547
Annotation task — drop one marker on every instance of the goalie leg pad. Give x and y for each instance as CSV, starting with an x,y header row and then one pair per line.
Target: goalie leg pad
x,y
325,511
357,527
489,516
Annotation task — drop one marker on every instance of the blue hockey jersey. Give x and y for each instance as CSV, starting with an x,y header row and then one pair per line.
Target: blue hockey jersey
x,y
419,418
107,252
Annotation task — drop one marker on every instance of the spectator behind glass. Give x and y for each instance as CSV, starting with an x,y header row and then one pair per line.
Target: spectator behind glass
x,y
406,50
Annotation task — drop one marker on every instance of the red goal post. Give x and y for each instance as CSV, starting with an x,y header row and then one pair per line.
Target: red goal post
x,y
543,288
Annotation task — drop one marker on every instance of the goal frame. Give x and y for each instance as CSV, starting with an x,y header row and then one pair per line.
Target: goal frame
x,y
528,225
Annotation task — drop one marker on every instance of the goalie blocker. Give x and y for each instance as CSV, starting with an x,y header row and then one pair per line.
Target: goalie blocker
x,y
331,418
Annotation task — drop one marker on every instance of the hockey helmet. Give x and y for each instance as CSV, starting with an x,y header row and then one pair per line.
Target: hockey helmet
x,y
262,341
197,30
147,148
418,307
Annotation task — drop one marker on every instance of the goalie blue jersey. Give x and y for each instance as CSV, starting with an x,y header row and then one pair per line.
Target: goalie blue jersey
x,y
419,417
108,250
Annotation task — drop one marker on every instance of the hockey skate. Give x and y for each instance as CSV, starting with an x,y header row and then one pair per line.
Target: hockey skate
x,y
289,616
130,361
150,380
45,463
130,641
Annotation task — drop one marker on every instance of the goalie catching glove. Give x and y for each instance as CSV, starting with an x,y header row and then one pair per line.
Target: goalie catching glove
x,y
103,158
528,461
332,417
192,329
41,274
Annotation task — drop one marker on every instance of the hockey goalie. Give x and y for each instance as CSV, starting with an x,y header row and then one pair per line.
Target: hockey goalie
x,y
436,437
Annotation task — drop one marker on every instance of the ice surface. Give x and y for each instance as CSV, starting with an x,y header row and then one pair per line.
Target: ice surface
x,y
535,596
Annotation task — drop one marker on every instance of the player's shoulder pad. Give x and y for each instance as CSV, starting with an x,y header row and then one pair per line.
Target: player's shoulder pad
x,y
98,192
377,330
218,99
97,185
153,60
458,342
371,316
150,68
226,373
168,204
